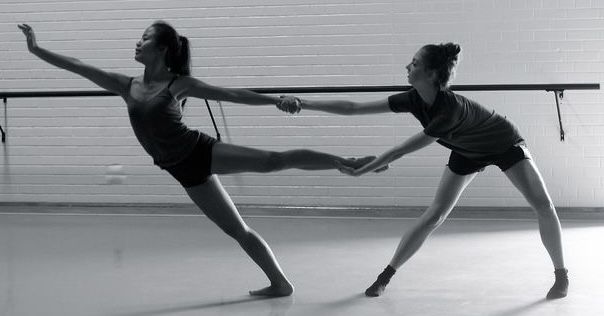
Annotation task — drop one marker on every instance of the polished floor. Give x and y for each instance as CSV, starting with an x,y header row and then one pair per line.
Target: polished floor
x,y
119,265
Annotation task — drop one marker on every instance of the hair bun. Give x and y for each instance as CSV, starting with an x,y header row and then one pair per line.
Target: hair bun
x,y
451,50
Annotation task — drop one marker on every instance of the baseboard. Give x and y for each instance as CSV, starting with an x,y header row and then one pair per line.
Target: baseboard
x,y
574,213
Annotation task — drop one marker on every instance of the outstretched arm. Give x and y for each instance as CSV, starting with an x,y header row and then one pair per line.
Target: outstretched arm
x,y
413,143
347,107
193,87
113,82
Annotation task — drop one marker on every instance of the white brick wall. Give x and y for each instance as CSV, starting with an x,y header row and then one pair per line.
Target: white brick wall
x,y
58,148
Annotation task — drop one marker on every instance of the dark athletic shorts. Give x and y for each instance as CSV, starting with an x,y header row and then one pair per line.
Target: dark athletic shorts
x,y
197,167
464,166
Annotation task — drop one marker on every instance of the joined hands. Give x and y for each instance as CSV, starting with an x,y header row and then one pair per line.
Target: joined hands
x,y
356,166
289,104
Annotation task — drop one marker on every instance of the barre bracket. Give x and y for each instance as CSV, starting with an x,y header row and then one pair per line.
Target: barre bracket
x,y
559,94
2,130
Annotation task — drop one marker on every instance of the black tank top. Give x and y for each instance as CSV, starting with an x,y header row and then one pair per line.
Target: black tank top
x,y
158,126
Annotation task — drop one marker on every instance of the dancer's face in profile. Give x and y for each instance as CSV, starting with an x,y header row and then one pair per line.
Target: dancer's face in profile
x,y
417,73
147,51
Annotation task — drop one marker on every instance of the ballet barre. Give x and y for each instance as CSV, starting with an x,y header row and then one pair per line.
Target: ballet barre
x,y
557,88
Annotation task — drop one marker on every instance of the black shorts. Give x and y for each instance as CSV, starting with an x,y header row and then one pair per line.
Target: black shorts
x,y
464,166
197,167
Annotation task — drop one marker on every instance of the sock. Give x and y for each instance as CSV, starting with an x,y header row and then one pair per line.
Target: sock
x,y
378,287
560,287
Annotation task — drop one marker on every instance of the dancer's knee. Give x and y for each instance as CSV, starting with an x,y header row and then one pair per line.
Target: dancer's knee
x,y
434,217
545,210
236,232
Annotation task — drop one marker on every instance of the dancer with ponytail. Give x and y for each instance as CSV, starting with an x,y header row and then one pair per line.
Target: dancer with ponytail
x,y
155,100
477,138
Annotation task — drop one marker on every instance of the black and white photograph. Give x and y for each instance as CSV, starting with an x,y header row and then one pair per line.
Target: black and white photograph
x,y
301,157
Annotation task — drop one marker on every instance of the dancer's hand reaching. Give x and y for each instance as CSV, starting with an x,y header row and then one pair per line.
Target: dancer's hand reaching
x,y
351,171
359,166
289,104
29,35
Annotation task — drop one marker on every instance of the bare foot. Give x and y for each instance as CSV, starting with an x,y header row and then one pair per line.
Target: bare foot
x,y
274,291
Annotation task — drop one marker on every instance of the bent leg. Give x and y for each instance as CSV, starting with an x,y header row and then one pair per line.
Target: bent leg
x,y
215,202
526,177
229,158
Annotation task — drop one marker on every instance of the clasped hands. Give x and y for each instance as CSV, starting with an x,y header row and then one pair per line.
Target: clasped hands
x,y
289,104
293,105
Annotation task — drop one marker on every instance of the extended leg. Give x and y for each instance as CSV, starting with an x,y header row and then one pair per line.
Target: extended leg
x,y
229,158
450,189
215,202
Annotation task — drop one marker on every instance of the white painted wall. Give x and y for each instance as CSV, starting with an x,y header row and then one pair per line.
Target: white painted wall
x,y
58,148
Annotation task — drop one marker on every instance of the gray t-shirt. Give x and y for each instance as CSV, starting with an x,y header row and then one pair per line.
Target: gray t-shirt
x,y
460,124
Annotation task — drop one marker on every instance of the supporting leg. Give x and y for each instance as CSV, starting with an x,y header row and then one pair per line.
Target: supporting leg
x,y
215,202
526,178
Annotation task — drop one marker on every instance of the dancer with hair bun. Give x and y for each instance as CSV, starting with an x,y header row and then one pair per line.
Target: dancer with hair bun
x,y
477,138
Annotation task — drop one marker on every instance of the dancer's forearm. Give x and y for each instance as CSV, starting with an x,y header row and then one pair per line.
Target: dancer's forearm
x,y
199,89
65,62
334,106
413,143
343,107
248,97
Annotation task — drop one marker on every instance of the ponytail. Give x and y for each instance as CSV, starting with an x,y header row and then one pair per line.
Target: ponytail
x,y
180,62
178,55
